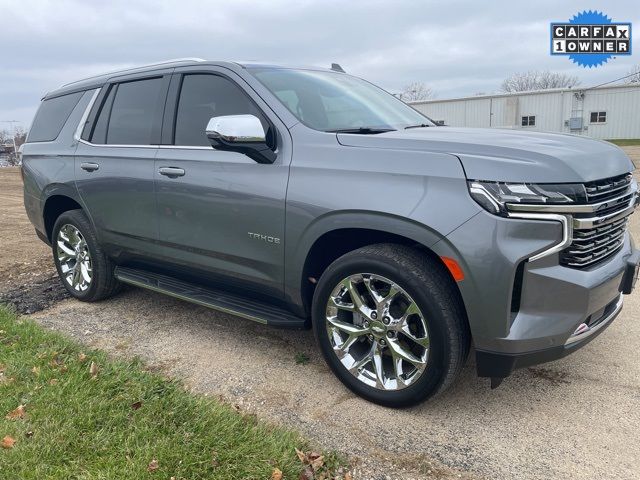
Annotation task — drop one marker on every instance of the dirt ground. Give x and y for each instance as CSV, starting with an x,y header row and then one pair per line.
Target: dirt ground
x,y
27,272
575,418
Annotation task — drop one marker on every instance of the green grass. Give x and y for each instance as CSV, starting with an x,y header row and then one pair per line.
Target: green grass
x,y
112,426
626,142
301,358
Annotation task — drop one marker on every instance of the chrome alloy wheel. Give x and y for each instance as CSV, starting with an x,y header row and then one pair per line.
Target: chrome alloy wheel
x,y
74,258
377,331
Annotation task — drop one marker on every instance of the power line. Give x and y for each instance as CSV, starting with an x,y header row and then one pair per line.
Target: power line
x,y
613,81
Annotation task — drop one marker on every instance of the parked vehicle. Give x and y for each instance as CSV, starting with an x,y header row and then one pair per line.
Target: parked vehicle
x,y
303,197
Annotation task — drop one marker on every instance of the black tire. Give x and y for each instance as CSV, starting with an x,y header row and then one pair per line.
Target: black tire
x,y
430,285
103,282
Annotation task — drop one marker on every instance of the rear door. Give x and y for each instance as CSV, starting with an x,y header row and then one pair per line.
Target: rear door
x,y
224,215
114,163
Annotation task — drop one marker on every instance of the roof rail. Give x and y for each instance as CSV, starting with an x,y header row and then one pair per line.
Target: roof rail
x,y
164,62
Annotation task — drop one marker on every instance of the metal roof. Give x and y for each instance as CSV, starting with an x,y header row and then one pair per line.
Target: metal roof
x,y
528,92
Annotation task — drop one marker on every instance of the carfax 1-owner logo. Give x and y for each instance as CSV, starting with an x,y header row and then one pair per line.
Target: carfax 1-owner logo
x,y
590,38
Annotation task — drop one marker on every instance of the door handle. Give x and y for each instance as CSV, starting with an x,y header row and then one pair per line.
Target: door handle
x,y
89,166
171,172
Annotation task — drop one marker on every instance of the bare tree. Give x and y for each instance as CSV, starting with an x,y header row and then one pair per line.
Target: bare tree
x,y
7,142
634,74
20,136
416,91
5,153
535,80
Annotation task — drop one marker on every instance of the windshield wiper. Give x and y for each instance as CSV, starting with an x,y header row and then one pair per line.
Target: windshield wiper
x,y
417,126
363,130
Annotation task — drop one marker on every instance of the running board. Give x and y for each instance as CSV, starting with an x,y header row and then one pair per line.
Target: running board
x,y
257,311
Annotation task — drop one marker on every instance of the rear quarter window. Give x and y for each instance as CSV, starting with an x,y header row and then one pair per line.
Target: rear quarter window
x,y
51,117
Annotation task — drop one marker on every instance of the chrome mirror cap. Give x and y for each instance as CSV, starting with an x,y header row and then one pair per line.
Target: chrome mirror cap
x,y
236,129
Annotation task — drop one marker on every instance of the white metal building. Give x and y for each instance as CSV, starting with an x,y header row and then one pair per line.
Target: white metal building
x,y
604,112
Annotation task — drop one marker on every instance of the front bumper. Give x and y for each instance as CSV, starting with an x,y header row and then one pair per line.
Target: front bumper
x,y
523,312
500,364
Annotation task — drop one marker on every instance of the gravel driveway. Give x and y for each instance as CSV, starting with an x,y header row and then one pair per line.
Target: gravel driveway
x,y
575,418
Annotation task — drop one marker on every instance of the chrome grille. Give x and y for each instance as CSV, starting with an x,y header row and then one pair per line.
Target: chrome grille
x,y
598,235
607,188
594,244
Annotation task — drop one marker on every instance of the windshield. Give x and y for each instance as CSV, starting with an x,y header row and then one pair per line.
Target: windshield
x,y
332,102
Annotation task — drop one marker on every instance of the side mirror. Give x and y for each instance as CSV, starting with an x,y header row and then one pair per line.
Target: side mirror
x,y
242,134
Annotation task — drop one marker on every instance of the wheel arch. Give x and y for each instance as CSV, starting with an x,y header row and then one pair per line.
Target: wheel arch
x,y
333,235
54,206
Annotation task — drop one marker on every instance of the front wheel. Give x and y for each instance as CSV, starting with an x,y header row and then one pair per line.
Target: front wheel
x,y
390,324
85,270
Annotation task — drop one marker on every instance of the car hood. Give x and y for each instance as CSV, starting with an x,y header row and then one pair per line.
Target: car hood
x,y
508,155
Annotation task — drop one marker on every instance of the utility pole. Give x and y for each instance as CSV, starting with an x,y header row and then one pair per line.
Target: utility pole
x,y
13,136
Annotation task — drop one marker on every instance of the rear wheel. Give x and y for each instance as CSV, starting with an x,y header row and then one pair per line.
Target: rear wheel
x,y
86,272
390,325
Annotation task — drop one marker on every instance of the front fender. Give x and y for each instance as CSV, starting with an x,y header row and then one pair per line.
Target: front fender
x,y
415,194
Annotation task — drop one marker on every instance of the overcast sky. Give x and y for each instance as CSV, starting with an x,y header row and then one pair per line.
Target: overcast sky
x,y
457,47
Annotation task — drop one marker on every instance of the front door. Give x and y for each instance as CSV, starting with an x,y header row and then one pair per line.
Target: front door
x,y
220,213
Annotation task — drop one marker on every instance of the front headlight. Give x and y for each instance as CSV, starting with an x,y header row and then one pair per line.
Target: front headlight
x,y
493,196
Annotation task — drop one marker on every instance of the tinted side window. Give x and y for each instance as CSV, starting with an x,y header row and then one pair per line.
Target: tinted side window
x,y
51,117
133,111
204,96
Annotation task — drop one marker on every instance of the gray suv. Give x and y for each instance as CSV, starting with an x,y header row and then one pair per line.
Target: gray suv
x,y
306,197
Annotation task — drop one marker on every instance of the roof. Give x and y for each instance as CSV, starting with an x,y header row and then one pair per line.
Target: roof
x,y
91,82
163,64
253,64
529,92
96,80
